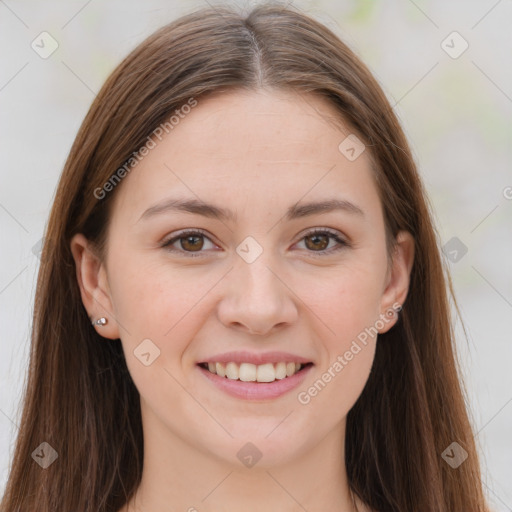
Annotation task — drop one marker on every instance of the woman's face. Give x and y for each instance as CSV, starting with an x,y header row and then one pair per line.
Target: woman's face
x,y
256,280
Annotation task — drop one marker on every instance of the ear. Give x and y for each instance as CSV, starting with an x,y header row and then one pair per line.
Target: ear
x,y
92,279
397,280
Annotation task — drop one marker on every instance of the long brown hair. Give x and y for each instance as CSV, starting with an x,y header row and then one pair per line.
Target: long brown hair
x,y
79,397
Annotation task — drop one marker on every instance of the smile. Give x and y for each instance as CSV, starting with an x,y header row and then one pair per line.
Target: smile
x,y
262,382
248,372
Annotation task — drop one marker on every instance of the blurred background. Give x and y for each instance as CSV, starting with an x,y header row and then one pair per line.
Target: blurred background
x,y
446,69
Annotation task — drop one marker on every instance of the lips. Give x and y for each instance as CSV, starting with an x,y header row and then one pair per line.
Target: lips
x,y
255,376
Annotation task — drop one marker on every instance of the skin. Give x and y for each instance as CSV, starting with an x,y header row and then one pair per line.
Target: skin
x,y
256,153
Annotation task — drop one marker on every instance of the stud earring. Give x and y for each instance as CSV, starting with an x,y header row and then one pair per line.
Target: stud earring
x,y
101,321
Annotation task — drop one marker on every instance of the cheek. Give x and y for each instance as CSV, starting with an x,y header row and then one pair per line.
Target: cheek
x,y
345,299
338,384
159,312
348,347
153,301
347,306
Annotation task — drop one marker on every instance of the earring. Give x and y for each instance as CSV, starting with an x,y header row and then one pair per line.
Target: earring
x,y
101,321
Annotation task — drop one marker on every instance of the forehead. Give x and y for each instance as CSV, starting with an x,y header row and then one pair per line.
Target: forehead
x,y
248,147
276,120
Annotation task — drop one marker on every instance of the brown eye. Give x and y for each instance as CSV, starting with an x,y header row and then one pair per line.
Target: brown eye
x,y
192,242
189,243
317,241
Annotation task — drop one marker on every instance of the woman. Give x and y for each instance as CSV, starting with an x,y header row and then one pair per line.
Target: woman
x,y
241,301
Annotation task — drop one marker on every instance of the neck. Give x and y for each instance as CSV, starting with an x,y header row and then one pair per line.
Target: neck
x,y
178,476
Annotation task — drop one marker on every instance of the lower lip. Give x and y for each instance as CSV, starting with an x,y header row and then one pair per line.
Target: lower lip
x,y
256,390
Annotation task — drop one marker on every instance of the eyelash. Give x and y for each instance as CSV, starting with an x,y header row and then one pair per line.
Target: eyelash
x,y
323,231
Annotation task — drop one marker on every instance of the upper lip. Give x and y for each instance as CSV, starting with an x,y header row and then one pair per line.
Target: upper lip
x,y
255,358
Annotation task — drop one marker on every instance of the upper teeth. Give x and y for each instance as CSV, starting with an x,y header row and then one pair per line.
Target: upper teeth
x,y
248,372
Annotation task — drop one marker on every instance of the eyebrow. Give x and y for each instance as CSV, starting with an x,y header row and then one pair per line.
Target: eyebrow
x,y
295,211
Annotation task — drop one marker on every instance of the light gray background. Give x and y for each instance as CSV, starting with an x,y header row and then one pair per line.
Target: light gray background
x,y
456,113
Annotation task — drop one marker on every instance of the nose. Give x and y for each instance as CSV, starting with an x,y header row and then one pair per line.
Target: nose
x,y
257,298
